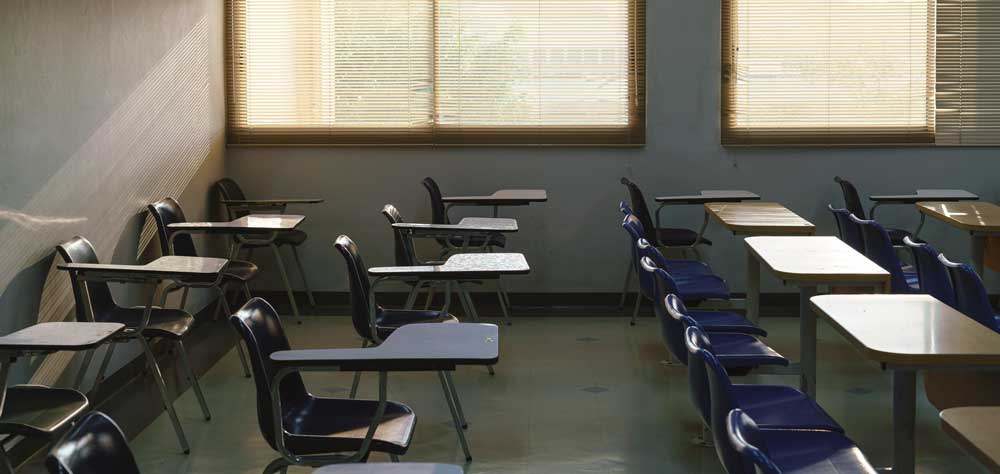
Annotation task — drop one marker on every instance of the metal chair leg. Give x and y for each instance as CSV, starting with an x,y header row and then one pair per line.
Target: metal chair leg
x,y
454,417
411,299
288,285
458,401
154,368
5,467
430,297
302,272
104,367
357,376
239,346
87,358
394,457
186,362
628,279
184,297
503,307
470,308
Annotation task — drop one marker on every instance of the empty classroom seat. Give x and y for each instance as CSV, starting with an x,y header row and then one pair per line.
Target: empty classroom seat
x,y
879,249
970,294
847,230
932,275
783,451
852,201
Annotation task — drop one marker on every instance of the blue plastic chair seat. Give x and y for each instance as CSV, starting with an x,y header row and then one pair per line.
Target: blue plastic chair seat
x,y
388,320
701,287
743,351
813,452
678,237
725,321
779,406
912,278
687,267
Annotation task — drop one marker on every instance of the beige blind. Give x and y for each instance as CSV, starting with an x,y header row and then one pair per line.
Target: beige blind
x,y
968,72
436,71
820,72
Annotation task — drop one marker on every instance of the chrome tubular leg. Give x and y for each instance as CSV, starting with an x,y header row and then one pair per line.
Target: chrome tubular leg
x,y
104,366
87,358
186,362
454,397
5,466
430,297
635,310
276,466
503,307
411,299
454,417
288,285
302,272
628,280
394,457
357,376
466,299
184,297
154,368
239,346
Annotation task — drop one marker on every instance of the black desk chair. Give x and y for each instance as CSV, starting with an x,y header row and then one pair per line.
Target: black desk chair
x,y
439,215
852,201
168,211
172,324
37,411
312,426
668,237
96,445
374,323
237,205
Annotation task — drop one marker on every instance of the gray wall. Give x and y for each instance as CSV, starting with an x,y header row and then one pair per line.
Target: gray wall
x,y
104,105
574,242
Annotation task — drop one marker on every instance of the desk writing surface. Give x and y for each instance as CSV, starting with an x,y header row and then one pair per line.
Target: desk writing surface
x,y
271,202
250,223
977,430
820,259
466,225
973,216
759,217
427,346
926,195
499,224
462,265
910,330
390,468
504,196
710,195
59,336
168,266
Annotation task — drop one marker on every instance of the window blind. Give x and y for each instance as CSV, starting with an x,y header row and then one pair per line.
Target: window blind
x,y
968,73
828,72
436,71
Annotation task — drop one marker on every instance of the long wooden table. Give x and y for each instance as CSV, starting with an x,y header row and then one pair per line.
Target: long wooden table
x,y
904,334
808,262
979,218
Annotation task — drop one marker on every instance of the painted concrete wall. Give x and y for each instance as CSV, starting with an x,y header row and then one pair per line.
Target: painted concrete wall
x,y
104,106
574,242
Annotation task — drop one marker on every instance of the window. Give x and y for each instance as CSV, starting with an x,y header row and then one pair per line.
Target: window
x,y
821,72
436,71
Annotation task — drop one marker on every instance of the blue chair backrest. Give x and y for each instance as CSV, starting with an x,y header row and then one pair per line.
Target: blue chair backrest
x,y
95,445
640,210
878,248
639,249
744,438
671,329
698,346
933,275
849,232
970,295
674,323
721,402
260,328
624,208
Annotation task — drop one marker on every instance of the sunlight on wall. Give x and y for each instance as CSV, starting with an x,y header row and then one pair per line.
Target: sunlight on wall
x,y
150,147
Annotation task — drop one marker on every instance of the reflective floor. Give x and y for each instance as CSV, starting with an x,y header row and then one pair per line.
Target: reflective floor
x,y
570,395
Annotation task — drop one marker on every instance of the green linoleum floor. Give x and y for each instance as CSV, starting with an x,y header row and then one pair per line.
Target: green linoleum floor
x,y
570,395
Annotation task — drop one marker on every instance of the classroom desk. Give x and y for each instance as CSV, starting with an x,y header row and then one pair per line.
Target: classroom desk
x,y
503,197
904,334
942,195
980,219
390,468
411,348
808,262
759,218
261,228
458,267
45,338
704,196
468,228
977,431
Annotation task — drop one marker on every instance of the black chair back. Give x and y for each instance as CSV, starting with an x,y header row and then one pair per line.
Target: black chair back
x,y
640,211
230,190
260,328
438,214
357,274
852,201
405,255
165,212
96,445
80,250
